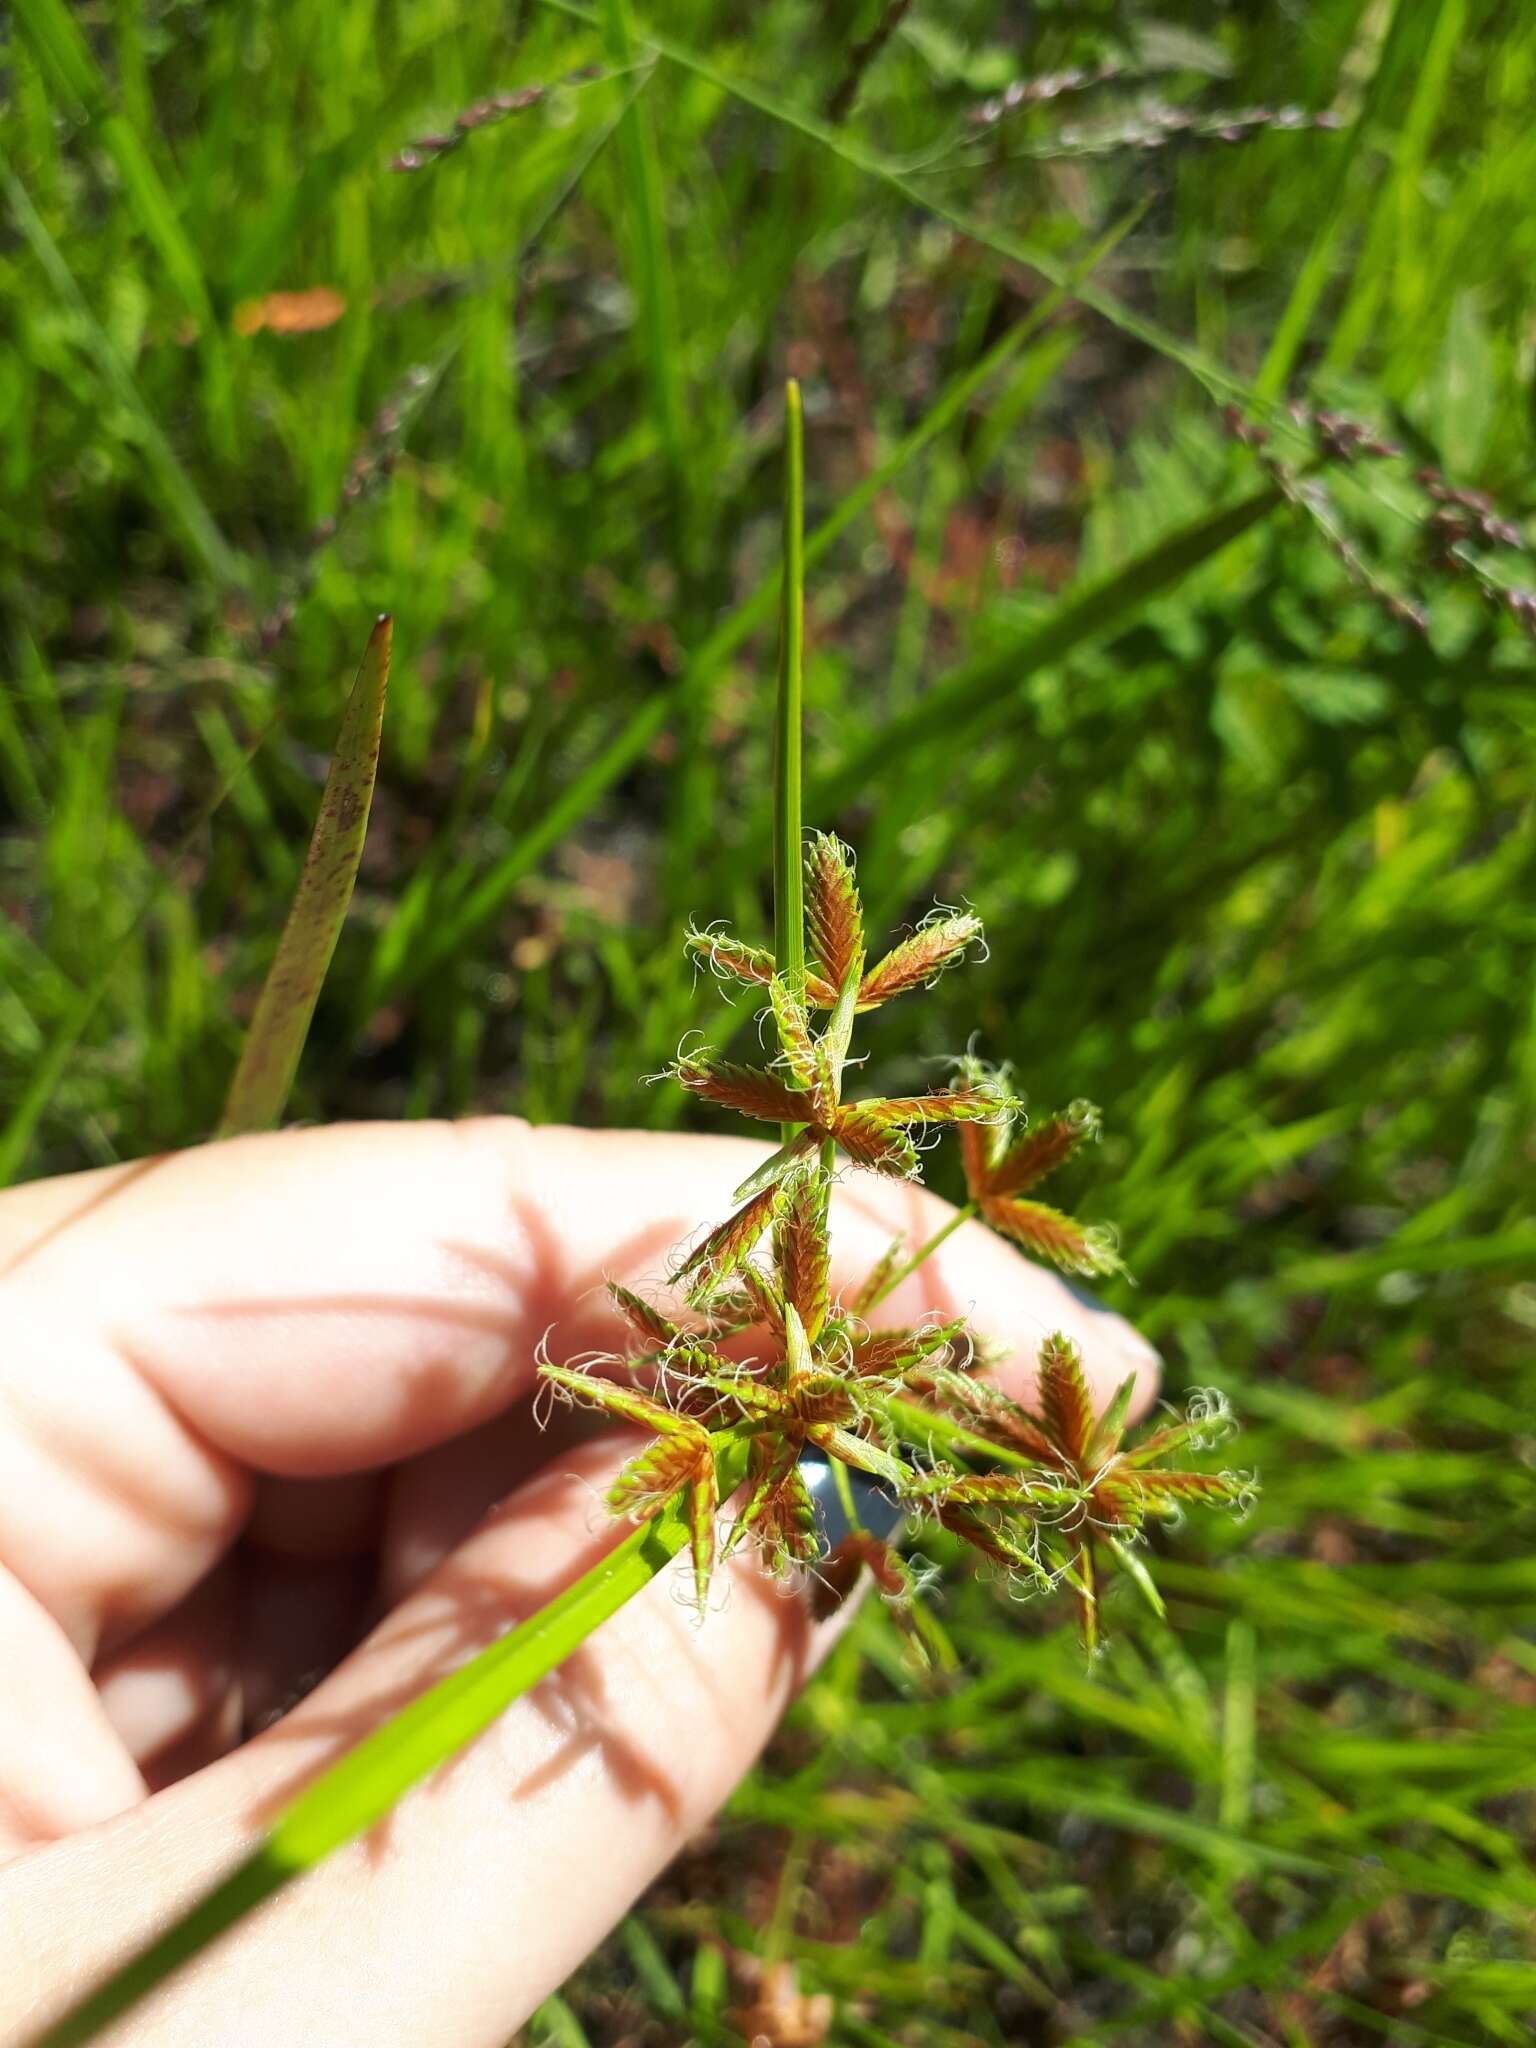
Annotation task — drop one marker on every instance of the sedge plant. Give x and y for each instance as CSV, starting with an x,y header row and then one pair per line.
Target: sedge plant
x,y
781,1416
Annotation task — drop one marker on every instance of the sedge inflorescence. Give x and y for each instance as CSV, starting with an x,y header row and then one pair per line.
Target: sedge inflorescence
x,y
762,1361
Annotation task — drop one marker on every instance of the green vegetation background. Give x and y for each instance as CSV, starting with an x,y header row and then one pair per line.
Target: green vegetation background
x,y
1255,857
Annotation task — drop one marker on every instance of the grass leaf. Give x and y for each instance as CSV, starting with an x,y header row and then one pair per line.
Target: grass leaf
x,y
270,1057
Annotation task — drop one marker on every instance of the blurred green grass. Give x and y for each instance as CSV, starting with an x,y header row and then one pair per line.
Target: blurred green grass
x,y
1255,858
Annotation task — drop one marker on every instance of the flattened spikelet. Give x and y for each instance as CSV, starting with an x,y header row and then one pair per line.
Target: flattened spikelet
x,y
941,1106
869,1138
928,951
1066,1406
801,1249
834,920
755,965
649,1481
897,1351
728,955
648,1323
1212,1487
1050,1235
731,1242
1040,1151
995,1415
747,1089
787,1533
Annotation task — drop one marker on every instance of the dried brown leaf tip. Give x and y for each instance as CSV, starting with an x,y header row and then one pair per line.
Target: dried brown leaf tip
x,y
1119,1486
1000,1167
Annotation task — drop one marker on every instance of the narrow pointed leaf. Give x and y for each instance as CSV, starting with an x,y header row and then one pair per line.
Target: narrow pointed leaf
x,y
1128,1558
1111,1424
859,1452
839,1032
775,1167
280,1025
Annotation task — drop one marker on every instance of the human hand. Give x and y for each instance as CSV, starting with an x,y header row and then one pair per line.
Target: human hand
x,y
267,1416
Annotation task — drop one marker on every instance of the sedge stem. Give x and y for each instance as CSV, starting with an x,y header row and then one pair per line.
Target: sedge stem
x,y
788,879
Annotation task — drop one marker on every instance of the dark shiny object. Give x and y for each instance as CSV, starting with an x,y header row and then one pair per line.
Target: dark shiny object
x,y
879,1515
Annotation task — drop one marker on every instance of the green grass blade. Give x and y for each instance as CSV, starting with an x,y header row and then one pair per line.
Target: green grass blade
x,y
653,269
1317,265
39,1092
1015,248
373,1777
981,690
66,60
270,1057
180,495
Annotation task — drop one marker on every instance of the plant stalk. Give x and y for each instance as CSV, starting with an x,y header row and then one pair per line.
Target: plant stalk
x,y
788,875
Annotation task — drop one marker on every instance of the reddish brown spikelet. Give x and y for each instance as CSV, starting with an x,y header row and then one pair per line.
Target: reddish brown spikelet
x,y
833,917
1005,1421
940,1106
800,1241
748,1089
1039,1152
1049,1235
917,959
767,1303
1209,1487
732,1241
728,955
1066,1406
871,1139
894,1351
754,965
1120,1502
975,1526
649,1481
787,1532
648,1323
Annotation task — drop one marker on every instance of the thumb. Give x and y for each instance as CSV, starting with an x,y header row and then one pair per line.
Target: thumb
x,y
491,1881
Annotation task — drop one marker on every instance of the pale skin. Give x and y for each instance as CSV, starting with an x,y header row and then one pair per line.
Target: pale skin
x,y
264,1414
